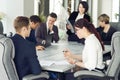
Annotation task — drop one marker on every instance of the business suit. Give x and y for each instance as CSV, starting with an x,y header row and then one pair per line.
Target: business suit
x,y
41,33
74,15
25,57
32,36
72,18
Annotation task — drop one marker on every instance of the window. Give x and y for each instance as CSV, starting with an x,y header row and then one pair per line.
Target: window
x,y
115,11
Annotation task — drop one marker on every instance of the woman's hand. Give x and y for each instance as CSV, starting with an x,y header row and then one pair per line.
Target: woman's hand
x,y
71,60
67,53
68,26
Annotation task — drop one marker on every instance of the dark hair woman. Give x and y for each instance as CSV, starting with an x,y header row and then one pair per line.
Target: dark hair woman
x,y
74,16
92,54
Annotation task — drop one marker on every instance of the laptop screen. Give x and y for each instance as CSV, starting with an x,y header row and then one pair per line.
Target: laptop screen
x,y
48,41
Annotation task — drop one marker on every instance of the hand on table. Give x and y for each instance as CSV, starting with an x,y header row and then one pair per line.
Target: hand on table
x,y
39,47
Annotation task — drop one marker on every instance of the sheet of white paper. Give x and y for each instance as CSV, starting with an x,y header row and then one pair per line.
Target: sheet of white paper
x,y
46,63
62,62
49,63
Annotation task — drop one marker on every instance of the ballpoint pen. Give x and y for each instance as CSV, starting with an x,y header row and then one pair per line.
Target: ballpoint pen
x,y
65,51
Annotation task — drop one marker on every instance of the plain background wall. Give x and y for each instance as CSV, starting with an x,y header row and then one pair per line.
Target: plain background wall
x,y
28,7
11,9
105,6
14,8
99,7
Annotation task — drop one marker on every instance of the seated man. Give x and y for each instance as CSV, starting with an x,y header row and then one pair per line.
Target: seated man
x,y
25,59
47,32
105,30
34,23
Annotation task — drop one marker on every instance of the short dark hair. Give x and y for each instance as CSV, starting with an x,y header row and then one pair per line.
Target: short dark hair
x,y
85,5
20,22
35,19
53,15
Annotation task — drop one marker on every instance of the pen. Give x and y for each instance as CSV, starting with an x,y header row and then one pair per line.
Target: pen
x,y
65,51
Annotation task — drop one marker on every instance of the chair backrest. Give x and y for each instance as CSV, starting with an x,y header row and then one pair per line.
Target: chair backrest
x,y
114,66
7,67
1,28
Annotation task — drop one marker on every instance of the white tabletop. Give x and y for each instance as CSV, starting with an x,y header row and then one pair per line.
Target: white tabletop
x,y
52,58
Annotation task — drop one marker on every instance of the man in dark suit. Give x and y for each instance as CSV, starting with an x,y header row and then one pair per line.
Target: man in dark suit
x,y
34,23
46,30
25,59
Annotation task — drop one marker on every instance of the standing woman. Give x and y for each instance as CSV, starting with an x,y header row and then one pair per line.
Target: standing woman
x,y
92,54
81,13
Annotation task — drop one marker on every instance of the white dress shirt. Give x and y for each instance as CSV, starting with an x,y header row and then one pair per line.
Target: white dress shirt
x,y
92,55
79,16
51,32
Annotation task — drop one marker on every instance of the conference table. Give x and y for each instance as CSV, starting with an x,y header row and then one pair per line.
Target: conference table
x,y
52,58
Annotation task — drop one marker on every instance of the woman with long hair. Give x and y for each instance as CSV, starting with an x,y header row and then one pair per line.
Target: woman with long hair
x,y
92,54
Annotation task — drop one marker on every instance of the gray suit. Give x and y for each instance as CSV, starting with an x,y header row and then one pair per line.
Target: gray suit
x,y
41,33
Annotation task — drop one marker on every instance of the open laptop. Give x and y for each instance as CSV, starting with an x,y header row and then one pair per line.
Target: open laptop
x,y
48,41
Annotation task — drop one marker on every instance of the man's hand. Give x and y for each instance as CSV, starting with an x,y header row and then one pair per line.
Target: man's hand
x,y
40,47
43,42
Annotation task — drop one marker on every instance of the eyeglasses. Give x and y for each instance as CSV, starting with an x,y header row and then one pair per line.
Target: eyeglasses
x,y
77,30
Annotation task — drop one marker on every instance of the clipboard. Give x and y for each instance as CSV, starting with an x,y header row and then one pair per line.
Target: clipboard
x,y
71,26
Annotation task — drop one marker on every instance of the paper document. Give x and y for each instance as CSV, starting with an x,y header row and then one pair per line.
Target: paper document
x,y
49,63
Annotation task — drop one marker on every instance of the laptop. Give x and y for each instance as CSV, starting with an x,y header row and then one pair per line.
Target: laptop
x,y
48,41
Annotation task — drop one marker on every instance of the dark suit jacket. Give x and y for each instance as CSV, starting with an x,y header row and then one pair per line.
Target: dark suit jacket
x,y
25,59
72,36
74,15
32,36
41,33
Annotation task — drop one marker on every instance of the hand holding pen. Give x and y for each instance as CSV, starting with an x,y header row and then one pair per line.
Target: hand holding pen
x,y
67,53
68,56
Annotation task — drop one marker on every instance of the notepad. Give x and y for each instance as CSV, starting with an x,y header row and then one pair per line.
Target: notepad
x,y
50,62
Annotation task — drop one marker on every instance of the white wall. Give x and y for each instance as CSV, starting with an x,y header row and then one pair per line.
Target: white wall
x,y
115,10
95,12
99,7
14,8
11,9
28,7
105,6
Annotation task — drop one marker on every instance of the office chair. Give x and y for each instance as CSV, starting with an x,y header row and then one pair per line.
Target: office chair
x,y
113,69
1,27
7,67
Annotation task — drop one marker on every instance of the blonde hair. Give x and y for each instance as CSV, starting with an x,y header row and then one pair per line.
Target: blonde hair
x,y
104,18
20,22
